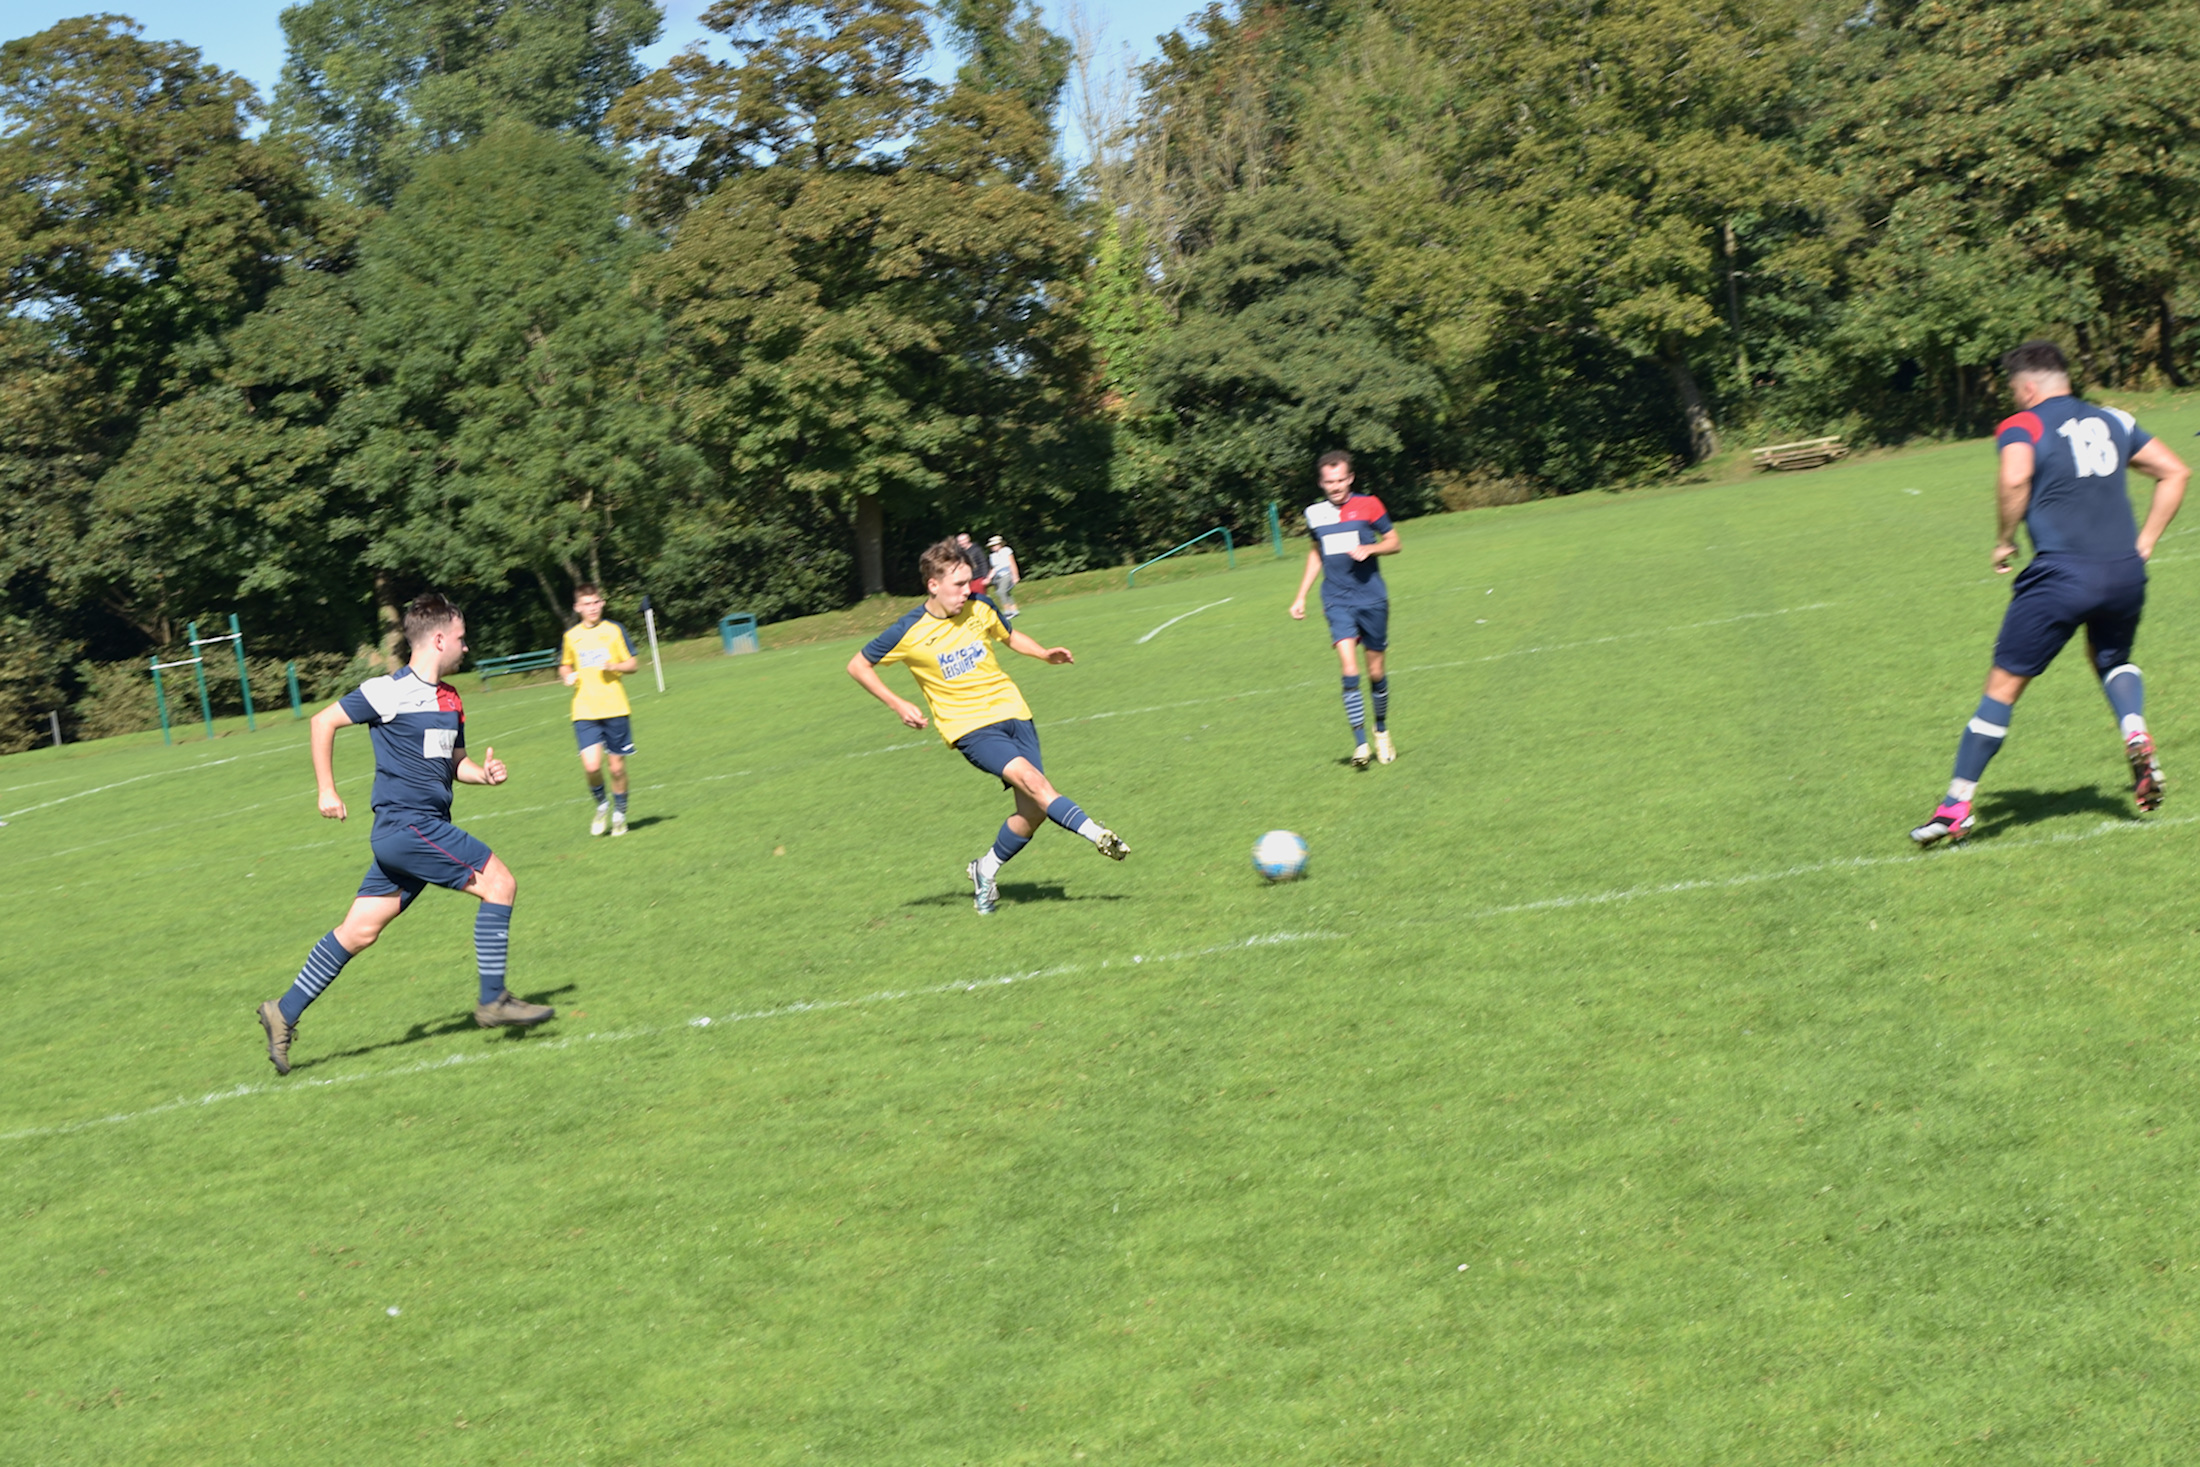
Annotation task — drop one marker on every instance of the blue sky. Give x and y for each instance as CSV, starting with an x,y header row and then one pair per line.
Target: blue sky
x,y
246,36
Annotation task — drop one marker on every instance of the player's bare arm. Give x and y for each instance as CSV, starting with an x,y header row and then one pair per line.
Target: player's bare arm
x,y
2012,497
1306,584
2170,476
863,672
1029,646
323,736
1388,545
490,770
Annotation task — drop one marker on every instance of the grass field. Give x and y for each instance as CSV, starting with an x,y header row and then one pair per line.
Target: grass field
x,y
1618,1088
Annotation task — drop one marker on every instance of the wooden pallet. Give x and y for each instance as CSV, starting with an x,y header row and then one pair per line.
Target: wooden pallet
x,y
1809,453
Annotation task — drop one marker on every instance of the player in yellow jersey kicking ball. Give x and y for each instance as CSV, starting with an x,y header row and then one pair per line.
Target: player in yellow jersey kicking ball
x,y
947,644
596,657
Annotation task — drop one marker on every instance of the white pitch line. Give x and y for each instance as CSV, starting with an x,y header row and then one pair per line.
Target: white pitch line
x,y
1172,621
137,778
279,1087
1694,626
1965,852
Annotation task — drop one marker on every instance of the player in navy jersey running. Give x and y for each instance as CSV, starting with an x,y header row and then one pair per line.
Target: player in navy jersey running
x,y
419,730
2062,474
1349,530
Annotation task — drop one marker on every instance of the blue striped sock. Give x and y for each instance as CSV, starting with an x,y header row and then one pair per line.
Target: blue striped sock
x,y
492,945
596,792
618,802
1064,812
1005,847
1380,687
1008,842
322,965
1355,711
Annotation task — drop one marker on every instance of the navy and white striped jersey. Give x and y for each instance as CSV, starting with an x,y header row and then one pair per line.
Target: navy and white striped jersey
x,y
2079,503
419,733
1360,520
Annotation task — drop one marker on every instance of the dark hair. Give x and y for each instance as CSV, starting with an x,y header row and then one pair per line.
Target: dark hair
x,y
938,560
586,588
428,612
2036,355
1334,456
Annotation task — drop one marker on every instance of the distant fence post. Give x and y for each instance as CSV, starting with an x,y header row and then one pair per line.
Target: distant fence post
x,y
297,704
198,666
55,716
160,696
244,674
1275,529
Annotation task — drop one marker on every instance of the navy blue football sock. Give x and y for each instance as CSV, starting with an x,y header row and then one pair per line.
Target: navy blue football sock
x,y
322,965
1005,847
2127,694
492,946
1982,739
1380,687
618,802
1008,842
1355,711
596,791
1064,812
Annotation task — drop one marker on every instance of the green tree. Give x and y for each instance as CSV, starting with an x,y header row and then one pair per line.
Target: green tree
x,y
2006,169
502,439
374,85
866,277
1598,157
1009,50
228,496
1272,360
139,223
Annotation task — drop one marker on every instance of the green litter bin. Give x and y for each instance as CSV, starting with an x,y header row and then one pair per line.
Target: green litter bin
x,y
737,634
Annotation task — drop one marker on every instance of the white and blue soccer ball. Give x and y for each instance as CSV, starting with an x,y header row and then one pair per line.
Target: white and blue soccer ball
x,y
1280,856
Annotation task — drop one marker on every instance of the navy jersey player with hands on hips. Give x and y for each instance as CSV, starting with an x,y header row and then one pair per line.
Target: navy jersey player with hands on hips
x,y
947,645
1349,530
2062,476
419,731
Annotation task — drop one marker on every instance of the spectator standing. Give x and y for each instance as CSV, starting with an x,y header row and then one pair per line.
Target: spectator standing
x,y
975,559
1006,573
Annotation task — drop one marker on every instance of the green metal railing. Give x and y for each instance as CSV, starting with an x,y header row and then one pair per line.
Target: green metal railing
x,y
1228,547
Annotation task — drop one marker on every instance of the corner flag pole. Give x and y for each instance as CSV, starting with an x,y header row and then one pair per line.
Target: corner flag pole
x,y
649,619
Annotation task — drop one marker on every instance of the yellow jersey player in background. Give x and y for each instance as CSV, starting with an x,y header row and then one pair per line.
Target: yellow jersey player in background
x,y
947,644
596,657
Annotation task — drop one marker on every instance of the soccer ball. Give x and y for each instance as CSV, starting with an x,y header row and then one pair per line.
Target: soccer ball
x,y
1280,856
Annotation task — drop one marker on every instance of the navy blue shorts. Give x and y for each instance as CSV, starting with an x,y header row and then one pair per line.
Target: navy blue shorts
x,y
1368,625
413,851
613,733
997,745
2057,594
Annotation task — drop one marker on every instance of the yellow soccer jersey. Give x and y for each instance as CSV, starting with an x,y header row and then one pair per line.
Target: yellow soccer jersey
x,y
952,658
597,693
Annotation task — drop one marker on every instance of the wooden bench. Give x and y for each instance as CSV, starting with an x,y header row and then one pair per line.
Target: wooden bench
x,y
514,664
1809,453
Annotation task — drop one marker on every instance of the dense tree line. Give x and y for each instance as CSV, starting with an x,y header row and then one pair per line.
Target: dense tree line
x,y
474,301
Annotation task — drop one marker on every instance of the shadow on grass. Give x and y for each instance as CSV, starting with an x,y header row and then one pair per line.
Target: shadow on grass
x,y
1019,891
437,1029
647,821
2005,810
